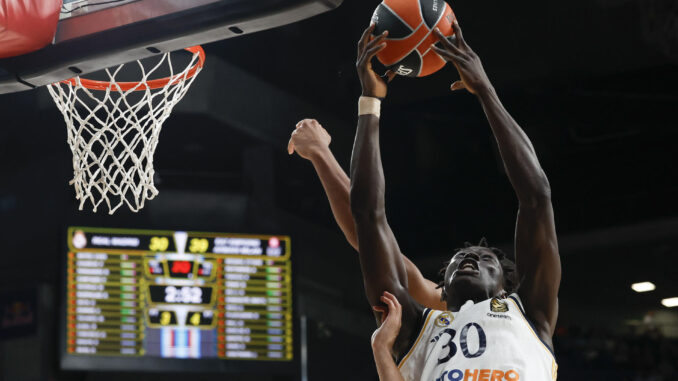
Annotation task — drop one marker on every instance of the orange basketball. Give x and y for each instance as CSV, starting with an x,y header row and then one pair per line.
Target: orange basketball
x,y
410,25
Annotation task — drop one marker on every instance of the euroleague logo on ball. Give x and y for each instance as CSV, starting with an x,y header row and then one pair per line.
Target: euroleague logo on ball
x,y
402,70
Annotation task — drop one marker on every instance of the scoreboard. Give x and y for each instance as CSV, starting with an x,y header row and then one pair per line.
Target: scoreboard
x,y
177,294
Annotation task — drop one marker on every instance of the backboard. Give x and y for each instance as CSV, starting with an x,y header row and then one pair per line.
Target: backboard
x,y
95,34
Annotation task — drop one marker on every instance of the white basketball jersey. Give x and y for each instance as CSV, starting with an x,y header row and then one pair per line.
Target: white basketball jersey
x,y
488,341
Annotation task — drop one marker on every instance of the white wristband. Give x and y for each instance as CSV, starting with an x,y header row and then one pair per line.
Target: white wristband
x,y
369,106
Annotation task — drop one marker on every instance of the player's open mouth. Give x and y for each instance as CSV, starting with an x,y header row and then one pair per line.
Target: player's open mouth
x,y
468,264
466,272
467,267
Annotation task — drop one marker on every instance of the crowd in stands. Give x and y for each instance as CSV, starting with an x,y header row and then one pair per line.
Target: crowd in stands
x,y
598,354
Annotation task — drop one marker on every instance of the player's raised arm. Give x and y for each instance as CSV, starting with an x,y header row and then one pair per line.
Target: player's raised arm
x,y
536,247
311,141
380,258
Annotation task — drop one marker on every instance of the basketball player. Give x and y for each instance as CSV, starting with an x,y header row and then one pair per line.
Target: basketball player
x,y
311,141
493,329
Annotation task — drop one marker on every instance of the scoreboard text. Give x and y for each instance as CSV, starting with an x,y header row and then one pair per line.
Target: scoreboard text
x,y
178,294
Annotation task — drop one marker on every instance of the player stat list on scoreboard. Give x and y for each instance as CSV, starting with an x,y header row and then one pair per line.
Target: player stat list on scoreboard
x,y
176,294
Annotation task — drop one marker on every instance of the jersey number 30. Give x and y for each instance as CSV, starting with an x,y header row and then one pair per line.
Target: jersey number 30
x,y
463,343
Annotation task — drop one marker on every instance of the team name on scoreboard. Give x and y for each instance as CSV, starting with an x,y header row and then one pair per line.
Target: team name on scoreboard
x,y
178,294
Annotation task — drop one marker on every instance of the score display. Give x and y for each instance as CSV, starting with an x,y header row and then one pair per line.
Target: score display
x,y
176,294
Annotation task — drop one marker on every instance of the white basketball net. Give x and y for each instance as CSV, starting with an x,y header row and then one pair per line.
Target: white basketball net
x,y
113,133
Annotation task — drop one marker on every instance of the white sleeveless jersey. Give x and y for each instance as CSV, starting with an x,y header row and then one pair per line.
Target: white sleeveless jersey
x,y
488,341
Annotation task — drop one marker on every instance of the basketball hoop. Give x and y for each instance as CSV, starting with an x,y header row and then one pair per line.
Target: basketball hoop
x,y
113,129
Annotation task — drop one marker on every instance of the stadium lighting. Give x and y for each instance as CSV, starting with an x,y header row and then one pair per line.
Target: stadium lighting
x,y
670,302
643,287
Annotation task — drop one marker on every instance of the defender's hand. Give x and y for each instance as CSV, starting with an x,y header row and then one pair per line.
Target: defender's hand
x,y
473,76
368,47
308,139
384,337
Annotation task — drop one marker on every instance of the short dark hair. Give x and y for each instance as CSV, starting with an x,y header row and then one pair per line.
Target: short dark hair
x,y
507,265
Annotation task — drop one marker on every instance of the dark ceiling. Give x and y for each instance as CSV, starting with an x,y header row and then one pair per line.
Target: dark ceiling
x,y
595,94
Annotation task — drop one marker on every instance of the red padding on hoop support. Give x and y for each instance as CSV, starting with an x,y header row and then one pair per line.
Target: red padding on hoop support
x,y
27,25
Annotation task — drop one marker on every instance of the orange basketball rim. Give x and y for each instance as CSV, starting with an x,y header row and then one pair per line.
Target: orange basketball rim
x,y
152,84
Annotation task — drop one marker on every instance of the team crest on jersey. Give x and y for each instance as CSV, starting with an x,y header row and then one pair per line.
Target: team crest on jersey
x,y
498,305
444,319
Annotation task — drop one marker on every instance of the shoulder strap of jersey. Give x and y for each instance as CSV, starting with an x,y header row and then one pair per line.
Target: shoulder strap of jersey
x,y
425,317
519,303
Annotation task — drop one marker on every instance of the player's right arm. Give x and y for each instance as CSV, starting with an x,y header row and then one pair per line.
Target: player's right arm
x,y
311,141
380,258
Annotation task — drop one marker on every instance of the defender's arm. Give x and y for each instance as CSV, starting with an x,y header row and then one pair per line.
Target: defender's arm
x,y
424,291
384,338
311,141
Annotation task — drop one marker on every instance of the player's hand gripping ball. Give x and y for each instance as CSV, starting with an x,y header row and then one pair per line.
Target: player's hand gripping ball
x,y
410,25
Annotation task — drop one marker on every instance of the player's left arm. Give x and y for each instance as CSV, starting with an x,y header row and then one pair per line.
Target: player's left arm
x,y
536,246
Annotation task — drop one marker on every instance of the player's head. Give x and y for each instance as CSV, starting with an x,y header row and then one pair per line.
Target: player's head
x,y
477,272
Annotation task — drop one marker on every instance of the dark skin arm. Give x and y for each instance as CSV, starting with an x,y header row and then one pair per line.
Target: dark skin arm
x,y
380,258
311,141
536,245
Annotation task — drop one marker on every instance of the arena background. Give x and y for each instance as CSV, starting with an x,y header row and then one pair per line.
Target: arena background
x,y
593,83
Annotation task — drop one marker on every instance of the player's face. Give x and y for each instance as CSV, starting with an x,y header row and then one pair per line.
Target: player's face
x,y
474,272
